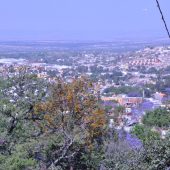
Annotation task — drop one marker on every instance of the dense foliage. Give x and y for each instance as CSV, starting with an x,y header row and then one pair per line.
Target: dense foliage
x,y
124,90
145,134
63,126
45,126
72,115
159,118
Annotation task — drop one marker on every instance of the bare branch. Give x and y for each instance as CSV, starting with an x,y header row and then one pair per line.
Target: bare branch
x,y
64,153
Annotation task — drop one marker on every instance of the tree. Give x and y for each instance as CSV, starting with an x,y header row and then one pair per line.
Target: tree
x,y
18,97
145,134
158,154
42,126
154,155
159,117
73,115
120,155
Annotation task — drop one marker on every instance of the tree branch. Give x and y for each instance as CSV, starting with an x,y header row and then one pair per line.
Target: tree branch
x,y
64,153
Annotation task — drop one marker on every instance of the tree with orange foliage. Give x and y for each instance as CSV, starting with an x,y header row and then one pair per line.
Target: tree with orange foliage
x,y
74,115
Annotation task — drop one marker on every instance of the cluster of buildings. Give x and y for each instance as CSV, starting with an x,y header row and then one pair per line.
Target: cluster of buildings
x,y
10,67
124,100
146,62
134,108
157,57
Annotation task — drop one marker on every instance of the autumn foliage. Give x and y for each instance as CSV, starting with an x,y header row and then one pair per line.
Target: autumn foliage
x,y
74,110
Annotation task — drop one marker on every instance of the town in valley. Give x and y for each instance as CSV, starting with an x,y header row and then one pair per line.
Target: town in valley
x,y
136,79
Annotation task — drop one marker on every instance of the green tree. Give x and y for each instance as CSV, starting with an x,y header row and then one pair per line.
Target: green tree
x,y
145,134
157,154
18,97
159,118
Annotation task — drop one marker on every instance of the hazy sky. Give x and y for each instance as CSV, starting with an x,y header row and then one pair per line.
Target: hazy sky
x,y
81,19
